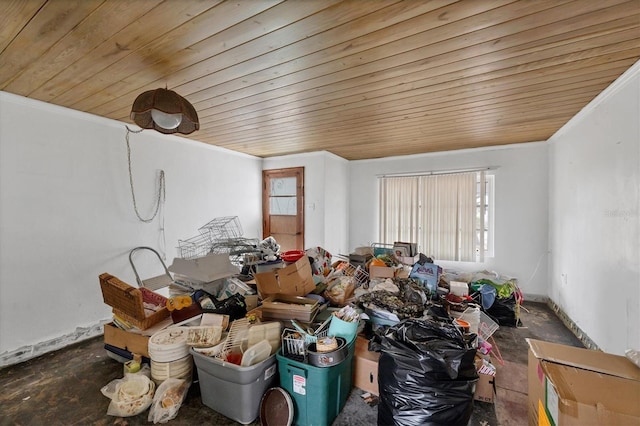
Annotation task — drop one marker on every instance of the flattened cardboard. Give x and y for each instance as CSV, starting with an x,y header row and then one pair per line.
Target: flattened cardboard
x,y
294,279
204,269
576,386
586,359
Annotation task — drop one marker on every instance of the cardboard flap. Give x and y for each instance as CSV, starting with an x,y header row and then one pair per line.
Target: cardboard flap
x,y
295,279
603,392
204,269
586,359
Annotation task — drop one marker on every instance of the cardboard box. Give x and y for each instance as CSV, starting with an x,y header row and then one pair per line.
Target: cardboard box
x,y
382,271
485,388
132,342
576,386
285,306
294,279
365,371
486,384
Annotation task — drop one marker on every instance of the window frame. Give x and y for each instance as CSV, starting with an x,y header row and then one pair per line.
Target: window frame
x,y
489,226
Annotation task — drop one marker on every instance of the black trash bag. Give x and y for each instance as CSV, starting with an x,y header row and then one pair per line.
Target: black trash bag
x,y
426,375
234,306
503,311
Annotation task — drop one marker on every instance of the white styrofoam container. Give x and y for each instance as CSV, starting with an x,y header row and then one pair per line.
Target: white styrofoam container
x,y
458,288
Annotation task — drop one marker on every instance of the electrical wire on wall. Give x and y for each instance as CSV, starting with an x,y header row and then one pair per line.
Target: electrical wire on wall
x,y
160,197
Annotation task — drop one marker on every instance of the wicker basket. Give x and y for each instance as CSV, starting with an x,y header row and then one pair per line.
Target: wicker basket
x,y
128,302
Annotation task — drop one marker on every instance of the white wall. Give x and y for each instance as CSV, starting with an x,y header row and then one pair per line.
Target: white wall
x,y
325,191
520,206
336,211
594,187
66,213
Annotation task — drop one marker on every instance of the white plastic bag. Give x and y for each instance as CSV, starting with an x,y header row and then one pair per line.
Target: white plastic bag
x,y
130,395
167,400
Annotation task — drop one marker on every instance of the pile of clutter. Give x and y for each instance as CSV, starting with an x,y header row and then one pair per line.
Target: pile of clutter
x,y
240,322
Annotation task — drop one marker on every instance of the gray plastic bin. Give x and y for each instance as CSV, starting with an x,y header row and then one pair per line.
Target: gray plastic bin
x,y
234,391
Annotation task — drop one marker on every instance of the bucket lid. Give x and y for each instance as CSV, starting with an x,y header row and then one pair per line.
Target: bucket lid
x,y
256,353
276,408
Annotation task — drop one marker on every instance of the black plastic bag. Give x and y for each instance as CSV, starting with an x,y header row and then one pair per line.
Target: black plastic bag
x,y
426,374
234,306
503,311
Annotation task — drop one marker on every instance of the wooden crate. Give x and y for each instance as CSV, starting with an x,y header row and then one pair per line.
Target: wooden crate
x,y
128,302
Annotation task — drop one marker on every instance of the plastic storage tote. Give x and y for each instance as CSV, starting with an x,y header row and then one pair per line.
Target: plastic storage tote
x,y
318,393
234,391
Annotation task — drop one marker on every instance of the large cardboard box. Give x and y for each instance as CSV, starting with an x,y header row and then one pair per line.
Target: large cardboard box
x,y
576,386
294,279
133,342
365,372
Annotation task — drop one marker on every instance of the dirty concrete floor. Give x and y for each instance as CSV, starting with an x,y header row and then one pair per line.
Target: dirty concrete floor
x,y
63,387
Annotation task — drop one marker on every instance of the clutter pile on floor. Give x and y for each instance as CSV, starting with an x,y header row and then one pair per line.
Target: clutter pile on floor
x,y
285,336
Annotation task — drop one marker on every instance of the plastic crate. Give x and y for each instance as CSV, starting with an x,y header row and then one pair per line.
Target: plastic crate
x,y
318,393
231,390
487,326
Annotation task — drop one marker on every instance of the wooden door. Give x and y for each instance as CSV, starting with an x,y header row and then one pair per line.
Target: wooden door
x,y
283,207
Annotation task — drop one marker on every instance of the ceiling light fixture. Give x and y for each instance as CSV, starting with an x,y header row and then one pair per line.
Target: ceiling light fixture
x,y
165,111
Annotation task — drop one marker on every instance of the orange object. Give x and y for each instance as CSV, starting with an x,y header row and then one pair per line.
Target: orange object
x,y
377,262
179,302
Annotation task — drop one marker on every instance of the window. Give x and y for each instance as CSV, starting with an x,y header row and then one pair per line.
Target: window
x,y
486,212
449,215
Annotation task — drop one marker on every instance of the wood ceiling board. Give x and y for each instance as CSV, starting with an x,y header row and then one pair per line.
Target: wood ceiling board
x,y
458,85
140,33
351,77
175,51
15,15
343,85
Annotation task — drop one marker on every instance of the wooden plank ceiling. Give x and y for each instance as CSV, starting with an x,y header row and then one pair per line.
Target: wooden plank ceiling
x,y
361,79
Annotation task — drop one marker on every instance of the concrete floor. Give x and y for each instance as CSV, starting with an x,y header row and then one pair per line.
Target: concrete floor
x,y
63,387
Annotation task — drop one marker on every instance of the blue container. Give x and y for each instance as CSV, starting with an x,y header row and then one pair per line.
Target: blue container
x,y
347,330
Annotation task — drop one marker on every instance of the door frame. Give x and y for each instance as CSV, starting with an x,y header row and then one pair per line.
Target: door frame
x,y
267,175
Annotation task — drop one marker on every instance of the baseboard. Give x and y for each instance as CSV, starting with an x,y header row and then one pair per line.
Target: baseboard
x,y
26,353
568,322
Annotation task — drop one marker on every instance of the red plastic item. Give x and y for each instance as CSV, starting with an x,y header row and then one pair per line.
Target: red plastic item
x,y
234,358
292,255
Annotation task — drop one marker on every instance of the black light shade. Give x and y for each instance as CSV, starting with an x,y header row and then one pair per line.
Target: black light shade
x,y
165,111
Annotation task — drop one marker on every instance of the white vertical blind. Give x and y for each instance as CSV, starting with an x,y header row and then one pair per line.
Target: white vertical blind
x,y
438,212
399,200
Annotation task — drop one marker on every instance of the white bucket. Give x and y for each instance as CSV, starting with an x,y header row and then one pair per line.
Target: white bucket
x,y
472,316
